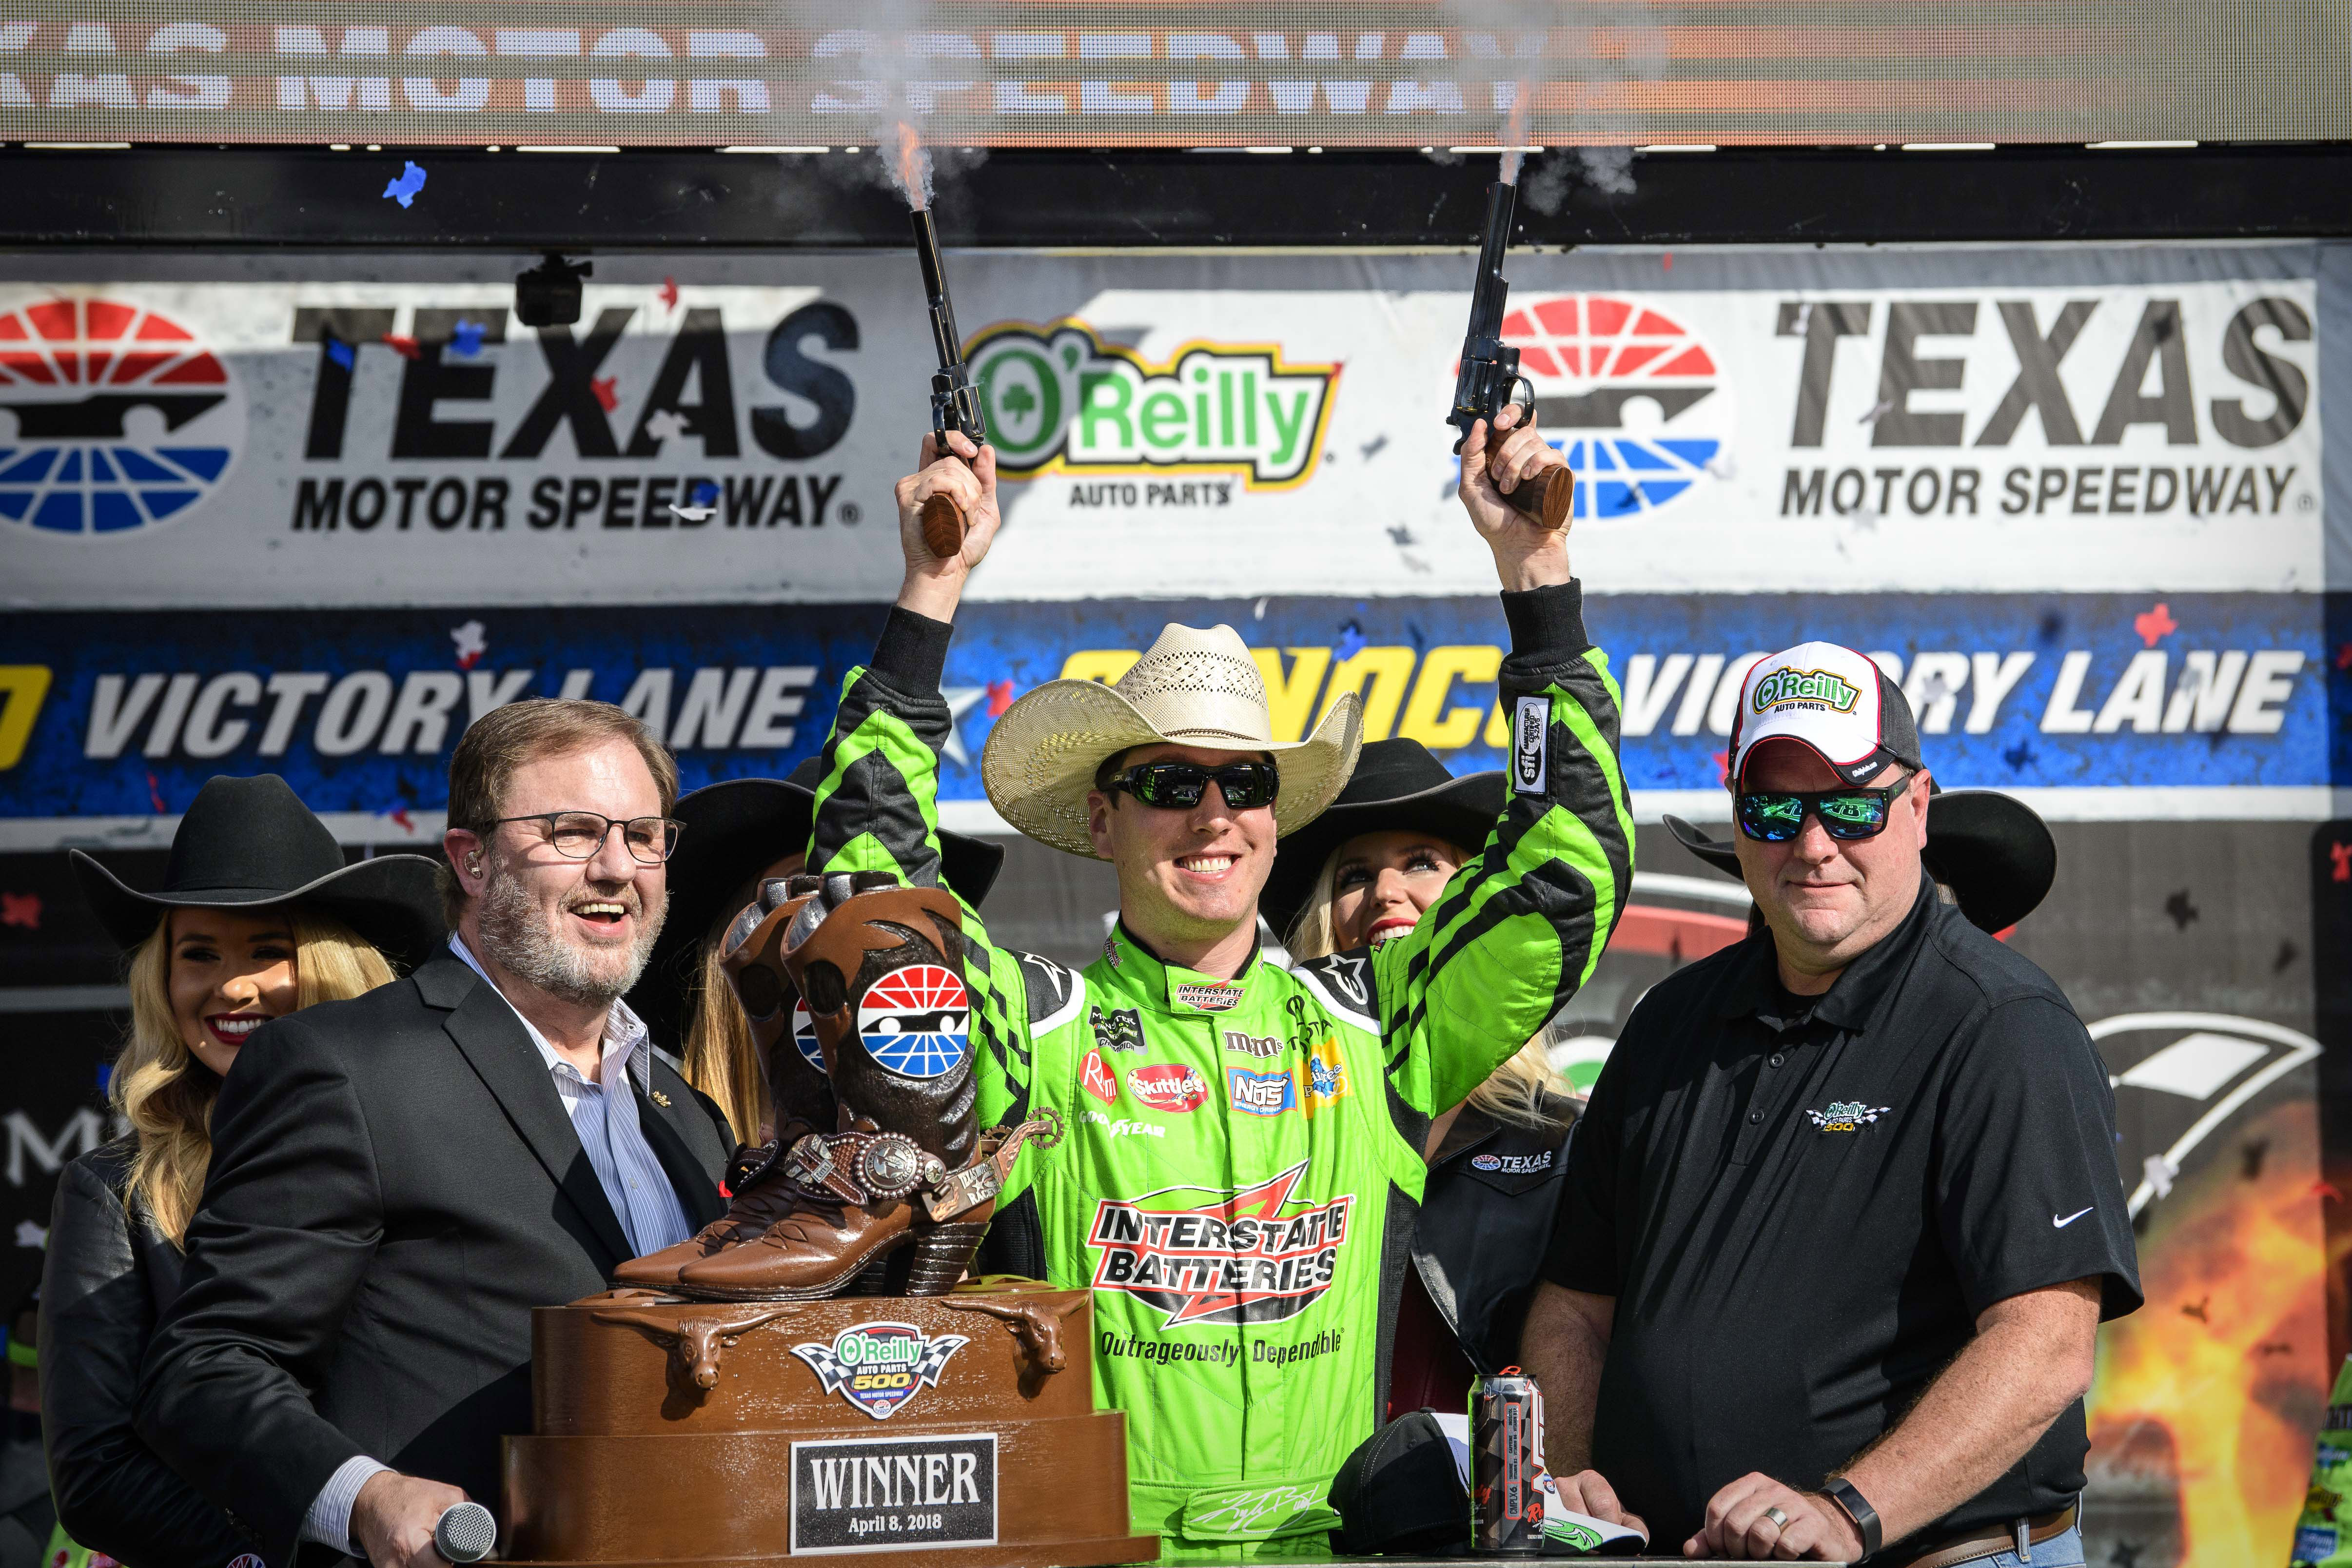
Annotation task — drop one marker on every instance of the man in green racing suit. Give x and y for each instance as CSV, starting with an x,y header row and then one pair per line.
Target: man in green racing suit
x,y
1243,1161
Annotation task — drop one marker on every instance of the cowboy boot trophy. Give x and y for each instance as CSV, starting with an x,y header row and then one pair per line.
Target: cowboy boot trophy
x,y
880,967
793,1068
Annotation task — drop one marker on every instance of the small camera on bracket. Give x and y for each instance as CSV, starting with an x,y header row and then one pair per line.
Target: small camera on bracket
x,y
549,294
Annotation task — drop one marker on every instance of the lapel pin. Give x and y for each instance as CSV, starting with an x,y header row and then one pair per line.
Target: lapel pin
x,y
661,1100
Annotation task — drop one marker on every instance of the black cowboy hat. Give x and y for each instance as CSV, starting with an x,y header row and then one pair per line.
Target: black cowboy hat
x,y
736,828
251,842
1397,785
1991,849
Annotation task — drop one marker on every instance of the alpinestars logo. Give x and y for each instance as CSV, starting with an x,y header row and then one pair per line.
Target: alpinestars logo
x,y
1631,395
1235,1257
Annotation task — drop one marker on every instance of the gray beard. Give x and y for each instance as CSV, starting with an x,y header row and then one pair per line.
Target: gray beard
x,y
521,938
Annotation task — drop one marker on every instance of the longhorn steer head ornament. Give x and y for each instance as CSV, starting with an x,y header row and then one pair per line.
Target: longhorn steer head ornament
x,y
694,1343
1036,1329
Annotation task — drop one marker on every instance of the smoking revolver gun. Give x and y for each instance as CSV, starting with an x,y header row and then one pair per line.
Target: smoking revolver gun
x,y
1490,377
955,401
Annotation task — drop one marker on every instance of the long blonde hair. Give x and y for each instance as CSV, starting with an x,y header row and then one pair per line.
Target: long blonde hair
x,y
1521,1091
721,1059
166,1094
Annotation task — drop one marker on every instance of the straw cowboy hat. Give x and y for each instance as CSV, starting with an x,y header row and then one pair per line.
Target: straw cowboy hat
x,y
1194,687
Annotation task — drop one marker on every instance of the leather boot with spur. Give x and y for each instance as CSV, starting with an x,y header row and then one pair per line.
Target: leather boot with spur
x,y
880,966
791,1062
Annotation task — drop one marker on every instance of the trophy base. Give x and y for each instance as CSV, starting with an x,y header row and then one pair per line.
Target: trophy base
x,y
944,1429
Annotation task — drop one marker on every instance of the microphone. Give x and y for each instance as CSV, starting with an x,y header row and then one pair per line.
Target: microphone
x,y
465,1533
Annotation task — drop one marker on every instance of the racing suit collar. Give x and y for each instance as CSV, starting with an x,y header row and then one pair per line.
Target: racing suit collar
x,y
1138,972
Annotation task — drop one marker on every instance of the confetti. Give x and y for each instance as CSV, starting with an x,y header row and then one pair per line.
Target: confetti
x,y
2018,757
403,190
1351,641
1878,411
2325,1190
2250,1158
2154,626
471,643
341,353
1722,764
1401,535
405,347
1000,698
1257,611
1372,446
1669,260
21,910
704,492
155,795
465,339
399,814
694,513
32,1233
2159,1172
607,391
2342,854
2192,1309
666,425
2344,656
2180,910
668,293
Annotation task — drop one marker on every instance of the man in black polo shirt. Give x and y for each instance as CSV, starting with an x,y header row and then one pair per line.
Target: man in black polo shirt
x,y
1843,1217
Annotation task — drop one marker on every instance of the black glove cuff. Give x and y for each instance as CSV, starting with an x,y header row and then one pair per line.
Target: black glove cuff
x,y
1841,1491
912,652
1547,620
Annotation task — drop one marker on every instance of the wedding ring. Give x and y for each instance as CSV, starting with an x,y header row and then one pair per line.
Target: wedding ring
x,y
1779,1520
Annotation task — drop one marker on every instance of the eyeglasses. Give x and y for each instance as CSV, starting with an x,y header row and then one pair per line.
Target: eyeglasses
x,y
579,834
1776,816
1179,786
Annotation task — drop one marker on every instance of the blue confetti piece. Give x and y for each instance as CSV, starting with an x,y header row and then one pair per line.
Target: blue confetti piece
x,y
405,189
1351,643
341,353
2018,756
705,493
465,339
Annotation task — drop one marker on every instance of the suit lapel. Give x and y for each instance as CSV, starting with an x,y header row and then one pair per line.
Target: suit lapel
x,y
672,1144
494,1042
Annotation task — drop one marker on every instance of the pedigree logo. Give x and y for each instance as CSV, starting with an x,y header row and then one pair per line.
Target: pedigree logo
x,y
1820,686
1060,400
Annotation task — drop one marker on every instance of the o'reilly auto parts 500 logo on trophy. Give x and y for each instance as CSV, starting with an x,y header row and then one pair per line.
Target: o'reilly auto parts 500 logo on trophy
x,y
114,417
878,1367
1628,392
1060,400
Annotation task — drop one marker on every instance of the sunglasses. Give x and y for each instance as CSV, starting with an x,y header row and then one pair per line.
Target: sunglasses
x,y
1179,786
1777,817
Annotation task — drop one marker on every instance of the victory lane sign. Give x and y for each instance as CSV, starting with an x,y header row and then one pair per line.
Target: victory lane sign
x,y
885,1494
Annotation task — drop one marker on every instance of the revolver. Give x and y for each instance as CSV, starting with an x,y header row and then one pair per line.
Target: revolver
x,y
955,401
1490,378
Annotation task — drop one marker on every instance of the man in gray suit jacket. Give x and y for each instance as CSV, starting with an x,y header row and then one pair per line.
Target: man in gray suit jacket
x,y
397,1181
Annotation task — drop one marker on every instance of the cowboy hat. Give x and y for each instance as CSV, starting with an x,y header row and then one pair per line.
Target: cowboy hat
x,y
1397,785
1991,849
248,844
735,829
1193,687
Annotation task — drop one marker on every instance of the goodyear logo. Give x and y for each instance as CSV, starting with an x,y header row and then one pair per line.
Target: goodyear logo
x,y
1804,686
1060,400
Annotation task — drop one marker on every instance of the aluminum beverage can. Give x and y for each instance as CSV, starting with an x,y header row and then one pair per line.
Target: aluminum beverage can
x,y
1506,1510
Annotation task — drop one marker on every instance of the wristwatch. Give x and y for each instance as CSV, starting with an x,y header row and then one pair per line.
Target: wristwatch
x,y
1841,1491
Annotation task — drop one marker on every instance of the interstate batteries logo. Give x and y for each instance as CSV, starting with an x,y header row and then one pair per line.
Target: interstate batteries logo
x,y
1630,395
113,417
878,1367
1060,400
1256,1255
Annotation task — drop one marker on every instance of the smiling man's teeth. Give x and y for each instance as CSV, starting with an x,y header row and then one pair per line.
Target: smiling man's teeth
x,y
614,910
1206,863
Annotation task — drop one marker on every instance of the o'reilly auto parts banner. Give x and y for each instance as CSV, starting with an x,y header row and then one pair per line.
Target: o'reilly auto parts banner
x,y
2073,498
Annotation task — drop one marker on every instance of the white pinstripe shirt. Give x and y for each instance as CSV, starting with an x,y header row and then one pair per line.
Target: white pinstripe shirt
x,y
639,1190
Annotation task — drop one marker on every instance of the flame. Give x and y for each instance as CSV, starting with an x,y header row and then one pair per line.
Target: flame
x,y
2228,1357
912,166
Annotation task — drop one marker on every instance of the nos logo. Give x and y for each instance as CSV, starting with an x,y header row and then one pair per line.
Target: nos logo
x,y
1631,395
113,417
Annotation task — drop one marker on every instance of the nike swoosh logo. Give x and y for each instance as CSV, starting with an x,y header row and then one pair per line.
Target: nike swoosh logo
x,y
2062,1224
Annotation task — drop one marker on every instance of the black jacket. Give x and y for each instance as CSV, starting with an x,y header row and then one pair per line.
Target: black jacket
x,y
109,1276
394,1185
1485,1219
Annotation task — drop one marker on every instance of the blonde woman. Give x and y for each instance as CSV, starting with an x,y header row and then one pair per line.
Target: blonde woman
x,y
258,916
1356,877
739,833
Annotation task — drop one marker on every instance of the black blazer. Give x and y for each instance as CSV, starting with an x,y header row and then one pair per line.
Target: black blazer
x,y
1484,1225
109,1274
394,1185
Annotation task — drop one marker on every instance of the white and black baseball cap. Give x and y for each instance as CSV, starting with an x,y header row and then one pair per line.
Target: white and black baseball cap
x,y
1836,701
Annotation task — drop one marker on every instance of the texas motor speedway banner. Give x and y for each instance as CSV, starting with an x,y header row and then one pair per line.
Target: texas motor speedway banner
x,y
2074,498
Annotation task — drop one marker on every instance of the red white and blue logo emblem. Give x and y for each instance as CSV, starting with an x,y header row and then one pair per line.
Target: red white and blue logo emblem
x,y
1631,395
113,416
917,1021
805,1035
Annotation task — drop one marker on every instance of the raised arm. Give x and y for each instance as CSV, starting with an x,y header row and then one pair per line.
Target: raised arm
x,y
1523,922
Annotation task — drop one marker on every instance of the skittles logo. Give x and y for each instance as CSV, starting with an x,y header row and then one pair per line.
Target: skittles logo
x,y
916,1021
1632,397
113,417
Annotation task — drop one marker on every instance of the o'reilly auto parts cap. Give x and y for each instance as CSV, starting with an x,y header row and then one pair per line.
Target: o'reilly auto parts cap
x,y
1833,700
